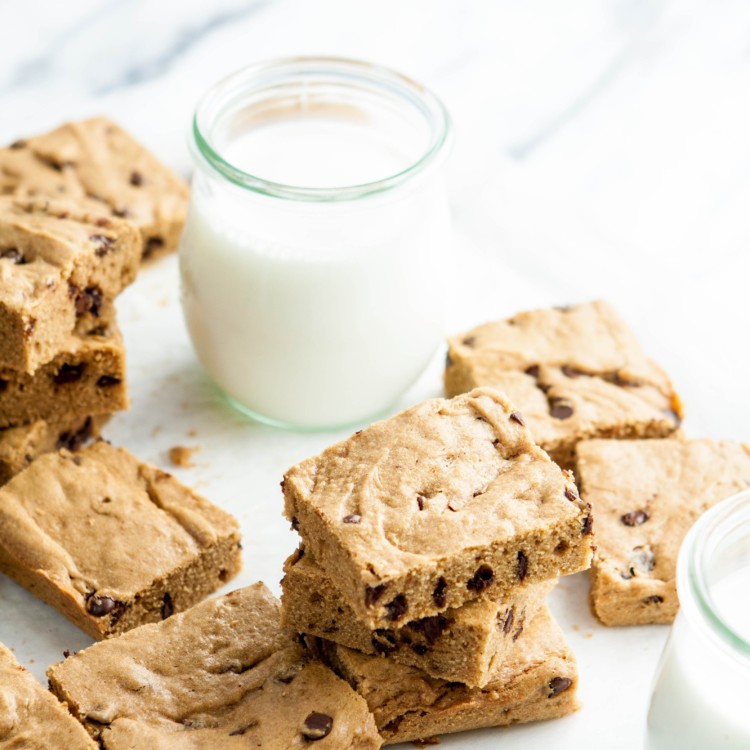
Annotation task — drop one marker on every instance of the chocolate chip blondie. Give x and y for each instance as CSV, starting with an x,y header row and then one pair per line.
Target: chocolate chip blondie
x,y
646,494
58,263
537,681
19,446
458,645
30,716
445,503
96,160
110,542
573,373
221,675
86,377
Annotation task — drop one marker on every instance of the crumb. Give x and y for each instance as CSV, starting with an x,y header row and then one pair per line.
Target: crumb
x,y
588,635
180,455
426,741
155,431
576,628
32,661
192,433
164,302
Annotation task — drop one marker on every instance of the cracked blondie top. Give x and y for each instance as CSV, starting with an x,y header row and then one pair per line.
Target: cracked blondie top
x,y
30,716
111,542
446,502
60,265
221,675
646,495
573,373
96,161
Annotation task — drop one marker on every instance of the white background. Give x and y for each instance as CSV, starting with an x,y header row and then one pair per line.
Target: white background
x,y
602,150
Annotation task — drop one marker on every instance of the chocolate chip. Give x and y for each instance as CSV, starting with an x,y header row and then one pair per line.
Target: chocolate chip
x,y
3,385
295,523
519,630
572,372
419,649
558,685
560,410
384,642
653,599
20,143
103,221
70,373
516,416
481,580
617,378
642,562
433,627
107,381
151,245
533,371
121,213
392,726
167,607
396,609
352,518
317,726
66,653
470,341
508,621
373,593
588,526
13,254
102,244
136,178
89,300
570,494
72,441
522,565
102,330
635,517
420,502
98,606
438,594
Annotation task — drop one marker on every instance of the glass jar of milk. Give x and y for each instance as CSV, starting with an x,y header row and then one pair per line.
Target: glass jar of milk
x,y
701,698
314,251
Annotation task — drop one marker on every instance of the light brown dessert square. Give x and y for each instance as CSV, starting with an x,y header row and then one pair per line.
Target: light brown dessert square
x,y
447,502
60,264
646,494
31,717
221,675
96,160
537,681
573,373
110,542
458,645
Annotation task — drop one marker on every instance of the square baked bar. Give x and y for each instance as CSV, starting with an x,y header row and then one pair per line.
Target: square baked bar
x,y
97,160
459,645
447,502
646,494
573,373
58,263
221,675
110,542
537,681
30,716
86,377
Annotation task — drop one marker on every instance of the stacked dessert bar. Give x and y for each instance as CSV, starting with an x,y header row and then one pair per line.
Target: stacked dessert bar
x,y
429,543
62,362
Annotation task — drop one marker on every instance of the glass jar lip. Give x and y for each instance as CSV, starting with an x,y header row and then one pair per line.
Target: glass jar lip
x,y
348,69
699,605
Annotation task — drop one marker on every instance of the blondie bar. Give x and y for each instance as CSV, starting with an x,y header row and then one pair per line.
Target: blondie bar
x,y
444,503
221,675
573,373
110,542
646,494
58,263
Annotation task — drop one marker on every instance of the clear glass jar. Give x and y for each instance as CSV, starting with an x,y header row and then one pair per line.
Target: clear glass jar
x,y
701,697
313,255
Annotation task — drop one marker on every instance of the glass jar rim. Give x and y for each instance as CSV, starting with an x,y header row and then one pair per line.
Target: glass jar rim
x,y
694,556
387,80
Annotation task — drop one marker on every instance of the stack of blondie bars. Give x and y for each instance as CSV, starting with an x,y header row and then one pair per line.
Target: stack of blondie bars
x,y
430,541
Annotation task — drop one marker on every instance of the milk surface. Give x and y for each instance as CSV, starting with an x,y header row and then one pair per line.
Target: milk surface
x,y
314,314
701,697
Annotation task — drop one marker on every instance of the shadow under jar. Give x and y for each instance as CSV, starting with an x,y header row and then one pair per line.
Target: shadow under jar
x,y
701,697
314,252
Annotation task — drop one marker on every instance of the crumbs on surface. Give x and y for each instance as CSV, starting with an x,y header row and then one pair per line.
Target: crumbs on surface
x,y
426,741
181,456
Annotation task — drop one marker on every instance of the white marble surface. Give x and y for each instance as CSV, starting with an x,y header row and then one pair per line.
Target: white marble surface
x,y
602,149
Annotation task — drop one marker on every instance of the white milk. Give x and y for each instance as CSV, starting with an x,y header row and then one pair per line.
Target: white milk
x,y
701,697
314,314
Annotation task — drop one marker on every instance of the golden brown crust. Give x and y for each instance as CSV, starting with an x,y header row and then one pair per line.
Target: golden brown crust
x,y
574,373
110,542
645,495
446,502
